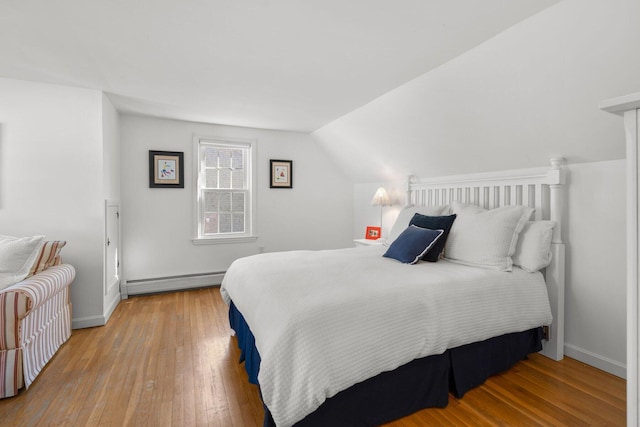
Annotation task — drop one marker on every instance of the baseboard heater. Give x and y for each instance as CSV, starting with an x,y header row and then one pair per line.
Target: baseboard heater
x,y
171,283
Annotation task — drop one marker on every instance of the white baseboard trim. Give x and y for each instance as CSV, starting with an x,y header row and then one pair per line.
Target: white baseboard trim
x,y
173,283
112,306
604,363
93,321
88,322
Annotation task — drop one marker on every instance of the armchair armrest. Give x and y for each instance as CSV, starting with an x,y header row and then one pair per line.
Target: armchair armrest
x,y
17,301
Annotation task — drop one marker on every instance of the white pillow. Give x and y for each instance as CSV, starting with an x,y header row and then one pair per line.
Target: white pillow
x,y
533,251
405,215
17,255
485,238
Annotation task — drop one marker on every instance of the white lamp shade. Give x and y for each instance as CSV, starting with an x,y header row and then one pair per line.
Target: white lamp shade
x,y
381,198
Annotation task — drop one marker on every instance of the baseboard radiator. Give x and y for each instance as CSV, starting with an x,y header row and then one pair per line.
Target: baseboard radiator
x,y
171,283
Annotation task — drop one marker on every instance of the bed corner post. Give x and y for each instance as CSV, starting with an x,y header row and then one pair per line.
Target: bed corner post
x,y
555,272
410,180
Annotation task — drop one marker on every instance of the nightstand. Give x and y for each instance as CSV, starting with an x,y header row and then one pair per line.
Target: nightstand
x,y
369,242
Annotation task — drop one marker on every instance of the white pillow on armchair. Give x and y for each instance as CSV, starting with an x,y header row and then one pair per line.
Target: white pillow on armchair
x,y
17,255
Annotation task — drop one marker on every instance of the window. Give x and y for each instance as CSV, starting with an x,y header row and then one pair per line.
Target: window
x,y
225,187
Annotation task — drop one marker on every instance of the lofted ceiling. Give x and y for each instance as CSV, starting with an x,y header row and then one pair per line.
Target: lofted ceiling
x,y
273,64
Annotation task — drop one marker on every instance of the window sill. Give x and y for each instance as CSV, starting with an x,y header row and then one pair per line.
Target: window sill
x,y
224,240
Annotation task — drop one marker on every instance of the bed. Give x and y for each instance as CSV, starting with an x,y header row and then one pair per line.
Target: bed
x,y
362,336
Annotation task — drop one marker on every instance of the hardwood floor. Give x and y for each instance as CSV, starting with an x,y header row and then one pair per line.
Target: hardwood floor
x,y
168,360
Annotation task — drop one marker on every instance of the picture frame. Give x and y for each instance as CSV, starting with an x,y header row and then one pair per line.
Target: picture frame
x,y
166,169
281,173
373,233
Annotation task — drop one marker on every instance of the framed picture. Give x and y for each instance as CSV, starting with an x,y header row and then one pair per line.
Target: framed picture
x,y
373,233
166,169
281,173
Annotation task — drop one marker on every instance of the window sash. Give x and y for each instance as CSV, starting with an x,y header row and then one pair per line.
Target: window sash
x,y
224,212
224,167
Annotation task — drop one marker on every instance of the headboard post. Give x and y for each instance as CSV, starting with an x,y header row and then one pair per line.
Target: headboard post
x,y
555,272
556,186
410,179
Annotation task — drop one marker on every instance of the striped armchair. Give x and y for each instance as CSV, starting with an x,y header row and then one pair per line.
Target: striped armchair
x,y
35,320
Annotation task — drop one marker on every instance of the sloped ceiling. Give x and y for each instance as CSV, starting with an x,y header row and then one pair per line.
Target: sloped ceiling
x,y
288,64
529,94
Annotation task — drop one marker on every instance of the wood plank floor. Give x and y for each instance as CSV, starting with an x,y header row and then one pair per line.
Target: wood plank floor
x,y
168,360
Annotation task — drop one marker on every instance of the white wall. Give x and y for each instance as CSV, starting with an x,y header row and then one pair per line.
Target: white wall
x,y
110,149
51,178
595,232
157,224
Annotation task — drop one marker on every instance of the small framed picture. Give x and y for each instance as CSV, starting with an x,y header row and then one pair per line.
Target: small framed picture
x,y
166,169
281,173
373,233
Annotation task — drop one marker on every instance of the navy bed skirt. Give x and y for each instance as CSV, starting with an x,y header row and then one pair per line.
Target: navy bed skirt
x,y
421,383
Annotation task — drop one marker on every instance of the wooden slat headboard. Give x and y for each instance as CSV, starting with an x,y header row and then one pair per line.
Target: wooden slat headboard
x,y
539,188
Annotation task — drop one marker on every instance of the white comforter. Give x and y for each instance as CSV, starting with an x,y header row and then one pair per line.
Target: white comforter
x,y
325,320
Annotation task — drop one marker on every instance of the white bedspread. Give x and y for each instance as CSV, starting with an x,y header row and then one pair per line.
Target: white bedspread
x,y
325,320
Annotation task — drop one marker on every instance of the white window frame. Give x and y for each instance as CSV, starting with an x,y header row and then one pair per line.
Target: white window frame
x,y
250,233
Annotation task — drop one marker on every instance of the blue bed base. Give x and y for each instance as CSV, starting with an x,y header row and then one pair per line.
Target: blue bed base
x,y
421,383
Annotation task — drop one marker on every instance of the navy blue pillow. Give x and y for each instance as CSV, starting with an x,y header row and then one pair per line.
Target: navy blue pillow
x,y
434,223
412,244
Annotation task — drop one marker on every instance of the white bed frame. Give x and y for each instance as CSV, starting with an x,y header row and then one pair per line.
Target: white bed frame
x,y
539,188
